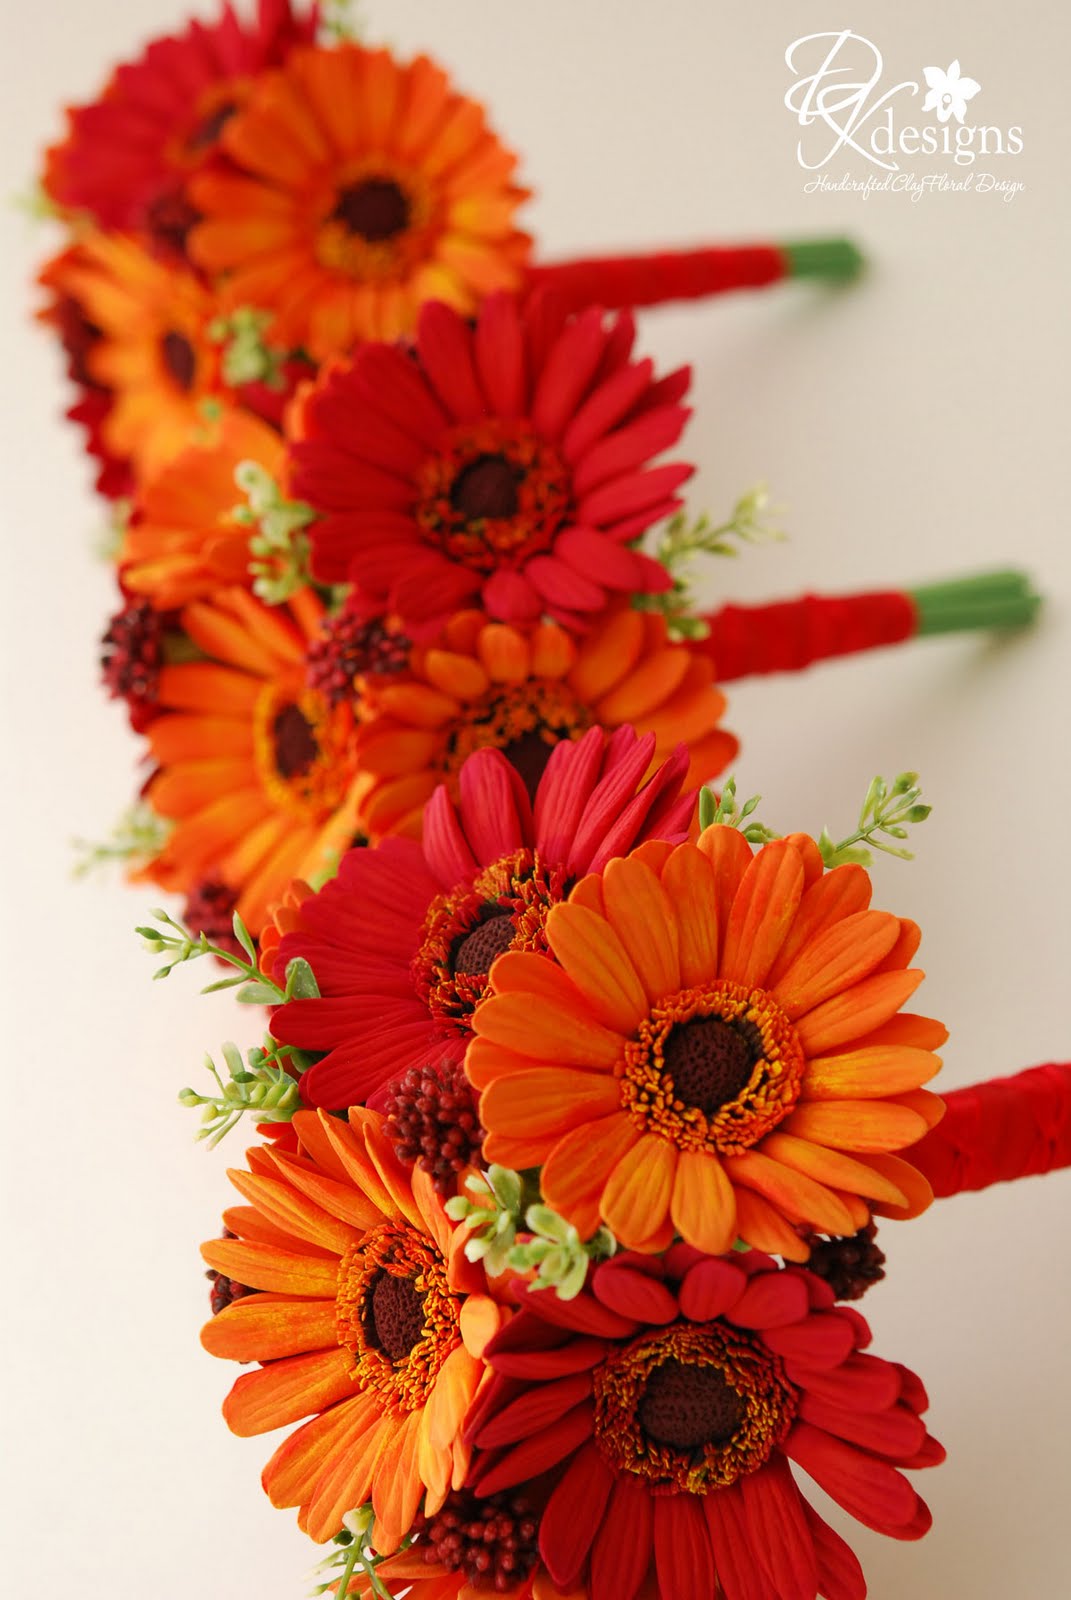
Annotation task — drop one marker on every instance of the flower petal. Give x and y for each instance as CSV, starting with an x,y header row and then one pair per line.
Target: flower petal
x,y
692,889
637,1195
856,1011
573,1514
289,1389
264,1327
684,1559
762,913
547,1100
779,1532
836,959
868,1489
703,1203
639,911
594,956
577,1169
867,1125
800,1198
622,1548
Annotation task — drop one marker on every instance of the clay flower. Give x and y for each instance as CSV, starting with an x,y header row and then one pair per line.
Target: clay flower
x,y
508,463
523,688
254,767
371,1322
182,542
948,92
364,186
402,939
128,156
670,1400
151,352
715,1053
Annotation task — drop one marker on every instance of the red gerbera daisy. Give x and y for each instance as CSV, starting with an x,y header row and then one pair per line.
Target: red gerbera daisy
x,y
509,461
402,940
669,1398
128,155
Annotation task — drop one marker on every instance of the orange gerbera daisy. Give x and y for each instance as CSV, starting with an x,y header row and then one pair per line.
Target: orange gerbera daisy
x,y
153,352
182,542
522,688
255,768
64,313
371,1322
717,1053
366,187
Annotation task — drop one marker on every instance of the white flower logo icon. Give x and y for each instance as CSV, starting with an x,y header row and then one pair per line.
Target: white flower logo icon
x,y
949,92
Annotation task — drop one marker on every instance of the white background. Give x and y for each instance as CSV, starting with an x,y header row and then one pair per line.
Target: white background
x,y
914,427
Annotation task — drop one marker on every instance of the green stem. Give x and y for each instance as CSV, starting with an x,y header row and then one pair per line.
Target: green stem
x,y
1004,599
837,260
354,1559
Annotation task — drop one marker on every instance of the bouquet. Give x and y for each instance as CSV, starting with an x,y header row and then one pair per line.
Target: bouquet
x,y
581,1090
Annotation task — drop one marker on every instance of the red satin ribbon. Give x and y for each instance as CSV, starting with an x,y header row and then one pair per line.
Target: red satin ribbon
x,y
995,1132
647,280
747,641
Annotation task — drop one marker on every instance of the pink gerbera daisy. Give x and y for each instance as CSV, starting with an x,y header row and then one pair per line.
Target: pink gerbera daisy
x,y
507,462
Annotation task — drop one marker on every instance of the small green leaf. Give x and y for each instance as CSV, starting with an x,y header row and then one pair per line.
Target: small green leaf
x,y
571,1284
258,994
244,937
224,983
541,1219
300,981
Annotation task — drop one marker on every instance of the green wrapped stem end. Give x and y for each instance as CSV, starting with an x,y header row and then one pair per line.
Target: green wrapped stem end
x,y
989,600
836,260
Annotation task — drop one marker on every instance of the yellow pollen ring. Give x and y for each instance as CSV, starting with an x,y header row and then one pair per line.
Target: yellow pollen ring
x,y
754,1373
340,250
648,1092
524,887
545,707
400,1252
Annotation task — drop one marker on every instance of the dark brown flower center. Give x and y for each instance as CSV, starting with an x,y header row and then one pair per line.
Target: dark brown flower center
x,y
375,208
686,1406
209,128
709,1060
180,358
487,487
530,754
295,742
477,951
395,1316
169,218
